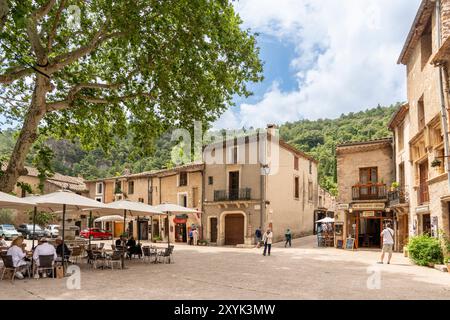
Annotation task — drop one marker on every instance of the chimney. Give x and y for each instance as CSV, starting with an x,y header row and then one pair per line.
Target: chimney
x,y
271,129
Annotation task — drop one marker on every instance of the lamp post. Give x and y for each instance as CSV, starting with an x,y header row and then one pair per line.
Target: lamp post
x,y
265,171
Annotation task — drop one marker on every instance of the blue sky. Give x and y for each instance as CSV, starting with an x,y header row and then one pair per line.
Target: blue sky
x,y
323,58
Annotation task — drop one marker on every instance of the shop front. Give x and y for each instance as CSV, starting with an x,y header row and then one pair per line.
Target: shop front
x,y
365,221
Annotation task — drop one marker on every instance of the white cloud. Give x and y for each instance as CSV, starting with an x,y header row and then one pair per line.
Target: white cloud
x,y
346,54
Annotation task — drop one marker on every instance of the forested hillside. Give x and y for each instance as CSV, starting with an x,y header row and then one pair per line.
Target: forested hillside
x,y
318,138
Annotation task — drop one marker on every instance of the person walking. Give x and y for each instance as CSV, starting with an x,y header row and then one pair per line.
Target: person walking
x,y
195,236
288,237
258,235
267,239
191,237
388,242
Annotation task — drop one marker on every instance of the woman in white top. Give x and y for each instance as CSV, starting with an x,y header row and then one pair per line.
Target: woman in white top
x,y
18,256
267,239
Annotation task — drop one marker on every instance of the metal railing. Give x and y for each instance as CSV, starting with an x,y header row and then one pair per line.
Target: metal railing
x,y
370,191
398,196
232,194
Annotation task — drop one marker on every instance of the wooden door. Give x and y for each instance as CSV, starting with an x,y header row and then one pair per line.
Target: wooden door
x,y
234,229
213,231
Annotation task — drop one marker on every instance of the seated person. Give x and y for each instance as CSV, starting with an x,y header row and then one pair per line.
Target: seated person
x,y
43,249
59,250
120,242
18,256
132,248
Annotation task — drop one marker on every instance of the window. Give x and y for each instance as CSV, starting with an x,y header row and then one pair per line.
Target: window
x,y
141,200
99,188
234,155
296,188
182,200
118,187
310,191
400,137
195,199
295,163
421,114
368,175
210,181
426,45
183,179
130,187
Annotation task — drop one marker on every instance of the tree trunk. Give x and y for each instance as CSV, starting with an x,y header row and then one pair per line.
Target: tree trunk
x,y
28,135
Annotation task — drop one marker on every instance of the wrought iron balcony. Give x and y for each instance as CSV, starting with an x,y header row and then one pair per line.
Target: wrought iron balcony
x,y
370,191
233,194
398,196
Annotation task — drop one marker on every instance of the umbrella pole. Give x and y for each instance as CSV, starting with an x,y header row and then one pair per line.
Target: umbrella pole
x,y
90,227
168,231
34,230
123,244
63,235
138,231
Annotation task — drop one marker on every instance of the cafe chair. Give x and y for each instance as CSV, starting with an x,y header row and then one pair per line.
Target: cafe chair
x,y
9,265
46,262
115,258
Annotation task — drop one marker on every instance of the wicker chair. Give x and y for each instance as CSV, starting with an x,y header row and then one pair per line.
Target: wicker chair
x,y
116,257
9,265
149,253
94,259
46,262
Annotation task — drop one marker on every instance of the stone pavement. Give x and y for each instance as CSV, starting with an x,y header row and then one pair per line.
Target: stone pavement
x,y
301,272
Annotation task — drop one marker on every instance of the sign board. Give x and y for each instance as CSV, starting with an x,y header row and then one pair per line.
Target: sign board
x,y
423,209
368,214
343,206
368,206
349,244
340,244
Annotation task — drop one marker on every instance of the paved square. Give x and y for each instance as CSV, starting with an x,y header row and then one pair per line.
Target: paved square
x,y
301,272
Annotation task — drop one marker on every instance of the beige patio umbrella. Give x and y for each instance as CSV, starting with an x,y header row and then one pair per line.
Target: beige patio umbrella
x,y
13,202
65,200
169,208
137,209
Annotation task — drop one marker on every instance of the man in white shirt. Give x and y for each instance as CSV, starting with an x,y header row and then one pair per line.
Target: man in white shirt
x,y
267,239
388,242
43,249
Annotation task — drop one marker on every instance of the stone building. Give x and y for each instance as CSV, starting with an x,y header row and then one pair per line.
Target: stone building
x,y
263,183
180,185
419,126
365,172
399,197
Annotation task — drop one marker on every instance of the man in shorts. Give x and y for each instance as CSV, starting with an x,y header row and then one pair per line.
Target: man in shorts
x,y
388,242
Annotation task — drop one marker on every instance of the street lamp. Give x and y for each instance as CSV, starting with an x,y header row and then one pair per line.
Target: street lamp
x,y
265,171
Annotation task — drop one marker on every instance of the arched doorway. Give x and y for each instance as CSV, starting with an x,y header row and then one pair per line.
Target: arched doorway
x,y
234,229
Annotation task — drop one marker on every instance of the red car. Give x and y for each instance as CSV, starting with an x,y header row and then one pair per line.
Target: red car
x,y
95,233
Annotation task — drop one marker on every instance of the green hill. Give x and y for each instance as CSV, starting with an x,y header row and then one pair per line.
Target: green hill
x,y
317,138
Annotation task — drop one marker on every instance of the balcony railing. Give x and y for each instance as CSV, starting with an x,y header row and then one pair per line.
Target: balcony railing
x,y
371,191
398,196
232,194
423,195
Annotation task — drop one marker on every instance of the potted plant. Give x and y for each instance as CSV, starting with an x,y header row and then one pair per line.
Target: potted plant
x,y
436,163
394,186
